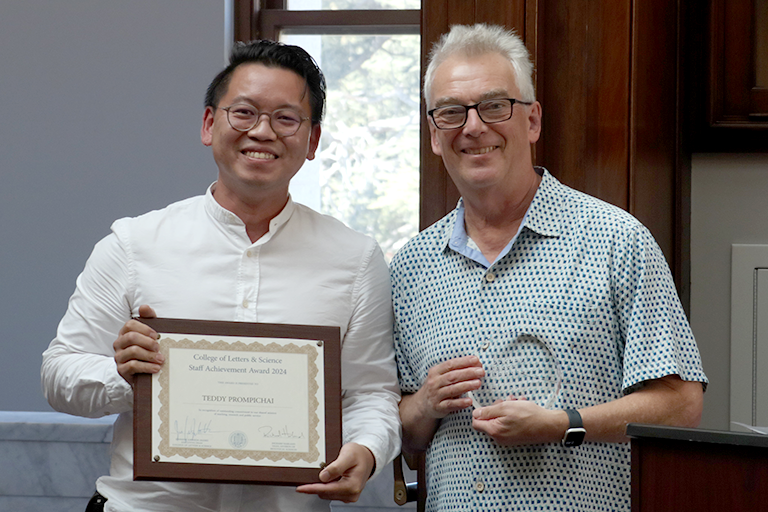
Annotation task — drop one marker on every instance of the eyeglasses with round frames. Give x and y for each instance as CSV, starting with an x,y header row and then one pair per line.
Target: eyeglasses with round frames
x,y
284,121
450,117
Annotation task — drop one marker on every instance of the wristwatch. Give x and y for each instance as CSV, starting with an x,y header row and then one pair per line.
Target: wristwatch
x,y
574,436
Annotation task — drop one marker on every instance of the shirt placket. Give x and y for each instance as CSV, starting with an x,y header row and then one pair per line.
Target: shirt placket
x,y
248,285
484,347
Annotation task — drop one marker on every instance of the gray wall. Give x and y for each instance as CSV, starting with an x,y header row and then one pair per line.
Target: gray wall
x,y
728,205
101,112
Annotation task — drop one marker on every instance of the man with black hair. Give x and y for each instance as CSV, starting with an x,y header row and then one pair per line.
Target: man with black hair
x,y
244,251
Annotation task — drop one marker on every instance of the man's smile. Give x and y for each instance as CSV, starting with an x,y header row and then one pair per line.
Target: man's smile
x,y
479,151
259,155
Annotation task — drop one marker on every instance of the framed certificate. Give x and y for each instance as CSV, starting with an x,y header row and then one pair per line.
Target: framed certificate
x,y
239,402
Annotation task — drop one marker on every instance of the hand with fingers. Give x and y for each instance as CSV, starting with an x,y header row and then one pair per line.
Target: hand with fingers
x,y
517,421
345,478
447,384
136,347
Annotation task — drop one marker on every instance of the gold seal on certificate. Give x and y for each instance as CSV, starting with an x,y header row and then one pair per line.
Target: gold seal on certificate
x,y
239,402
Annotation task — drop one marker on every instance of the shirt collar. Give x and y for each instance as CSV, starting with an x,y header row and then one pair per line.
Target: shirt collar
x,y
459,240
228,218
544,216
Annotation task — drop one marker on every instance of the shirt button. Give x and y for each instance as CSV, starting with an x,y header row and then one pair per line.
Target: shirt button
x,y
249,254
245,303
490,276
485,346
479,486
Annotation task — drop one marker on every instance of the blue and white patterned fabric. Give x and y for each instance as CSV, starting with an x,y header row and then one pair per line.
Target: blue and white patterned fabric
x,y
580,311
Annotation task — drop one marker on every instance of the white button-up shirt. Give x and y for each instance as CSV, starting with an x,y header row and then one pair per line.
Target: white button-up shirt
x,y
194,260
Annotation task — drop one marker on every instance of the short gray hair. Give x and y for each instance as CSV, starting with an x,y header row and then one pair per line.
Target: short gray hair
x,y
481,39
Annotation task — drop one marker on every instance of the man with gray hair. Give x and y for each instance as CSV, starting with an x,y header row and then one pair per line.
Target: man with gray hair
x,y
533,322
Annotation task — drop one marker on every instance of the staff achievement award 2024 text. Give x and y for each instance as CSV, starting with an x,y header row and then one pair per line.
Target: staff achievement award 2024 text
x,y
239,402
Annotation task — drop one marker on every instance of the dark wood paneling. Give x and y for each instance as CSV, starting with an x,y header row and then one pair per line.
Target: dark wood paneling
x,y
653,131
693,475
532,41
437,191
736,100
723,108
509,14
583,60
243,18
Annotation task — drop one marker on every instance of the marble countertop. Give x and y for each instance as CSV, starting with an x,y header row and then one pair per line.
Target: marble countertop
x,y
54,426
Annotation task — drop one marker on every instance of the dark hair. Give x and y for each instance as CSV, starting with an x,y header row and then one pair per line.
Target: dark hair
x,y
272,54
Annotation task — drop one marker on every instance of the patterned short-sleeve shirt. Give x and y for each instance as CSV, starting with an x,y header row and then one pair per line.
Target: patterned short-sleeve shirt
x,y
580,311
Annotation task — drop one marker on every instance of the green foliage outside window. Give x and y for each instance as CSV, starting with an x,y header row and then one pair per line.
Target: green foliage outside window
x,y
369,150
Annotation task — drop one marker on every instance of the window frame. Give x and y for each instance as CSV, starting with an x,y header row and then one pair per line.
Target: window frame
x,y
272,16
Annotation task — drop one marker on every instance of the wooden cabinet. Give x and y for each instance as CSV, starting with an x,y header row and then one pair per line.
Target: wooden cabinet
x,y
694,470
738,71
728,52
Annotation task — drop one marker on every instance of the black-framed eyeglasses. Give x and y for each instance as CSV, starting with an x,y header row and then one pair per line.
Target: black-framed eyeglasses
x,y
284,121
450,117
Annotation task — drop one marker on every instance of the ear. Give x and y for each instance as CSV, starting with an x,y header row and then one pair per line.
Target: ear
x,y
206,131
314,141
436,149
534,122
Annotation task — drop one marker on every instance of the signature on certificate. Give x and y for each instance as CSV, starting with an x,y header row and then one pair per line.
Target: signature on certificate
x,y
192,430
284,433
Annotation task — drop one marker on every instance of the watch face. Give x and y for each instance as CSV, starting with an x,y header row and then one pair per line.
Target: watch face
x,y
574,437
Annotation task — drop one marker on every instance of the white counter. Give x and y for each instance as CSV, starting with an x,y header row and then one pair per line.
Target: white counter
x,y
50,461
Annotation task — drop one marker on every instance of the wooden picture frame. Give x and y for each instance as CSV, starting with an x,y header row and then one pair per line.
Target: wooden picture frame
x,y
256,356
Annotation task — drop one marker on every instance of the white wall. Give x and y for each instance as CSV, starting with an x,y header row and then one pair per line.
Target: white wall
x,y
729,204
101,104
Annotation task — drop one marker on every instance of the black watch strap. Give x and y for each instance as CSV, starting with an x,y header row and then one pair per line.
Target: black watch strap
x,y
574,419
576,432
